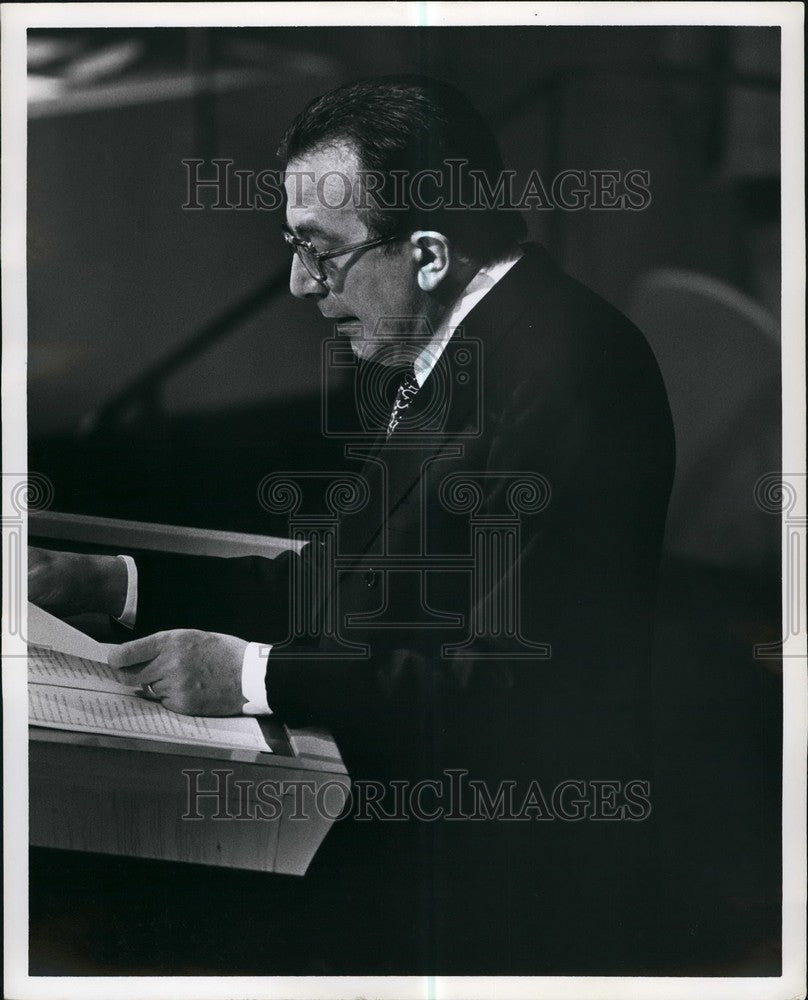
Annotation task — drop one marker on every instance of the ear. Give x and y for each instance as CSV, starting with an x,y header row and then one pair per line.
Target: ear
x,y
432,256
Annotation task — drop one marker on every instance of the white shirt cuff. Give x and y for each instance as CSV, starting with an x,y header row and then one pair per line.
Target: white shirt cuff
x,y
129,613
253,679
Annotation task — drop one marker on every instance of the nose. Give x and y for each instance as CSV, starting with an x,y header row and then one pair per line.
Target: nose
x,y
301,284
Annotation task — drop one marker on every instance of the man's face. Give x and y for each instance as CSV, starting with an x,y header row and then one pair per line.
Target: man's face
x,y
371,294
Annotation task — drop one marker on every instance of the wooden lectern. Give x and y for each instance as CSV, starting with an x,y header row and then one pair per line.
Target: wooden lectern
x,y
148,799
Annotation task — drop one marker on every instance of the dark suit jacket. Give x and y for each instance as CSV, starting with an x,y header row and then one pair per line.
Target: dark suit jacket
x,y
558,391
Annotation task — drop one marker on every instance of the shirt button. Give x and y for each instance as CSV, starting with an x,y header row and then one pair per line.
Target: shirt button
x,y
371,577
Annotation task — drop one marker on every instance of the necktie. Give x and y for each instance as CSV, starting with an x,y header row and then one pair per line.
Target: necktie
x,y
404,396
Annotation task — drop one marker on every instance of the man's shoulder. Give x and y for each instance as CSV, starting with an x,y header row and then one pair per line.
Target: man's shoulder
x,y
541,323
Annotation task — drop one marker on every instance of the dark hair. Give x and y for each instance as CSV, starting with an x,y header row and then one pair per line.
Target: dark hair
x,y
412,124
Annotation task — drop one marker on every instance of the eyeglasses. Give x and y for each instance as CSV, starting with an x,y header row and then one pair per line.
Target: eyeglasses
x,y
310,258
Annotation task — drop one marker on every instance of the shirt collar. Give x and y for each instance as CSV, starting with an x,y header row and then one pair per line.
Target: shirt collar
x,y
479,286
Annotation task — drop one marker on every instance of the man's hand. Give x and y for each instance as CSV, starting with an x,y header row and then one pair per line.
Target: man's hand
x,y
71,583
190,672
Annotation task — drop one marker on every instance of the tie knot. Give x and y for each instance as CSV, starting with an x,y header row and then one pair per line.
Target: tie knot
x,y
408,381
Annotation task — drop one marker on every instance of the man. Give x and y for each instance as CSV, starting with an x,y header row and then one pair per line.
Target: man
x,y
491,605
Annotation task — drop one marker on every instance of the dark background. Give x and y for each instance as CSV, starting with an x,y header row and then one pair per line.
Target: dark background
x,y
120,278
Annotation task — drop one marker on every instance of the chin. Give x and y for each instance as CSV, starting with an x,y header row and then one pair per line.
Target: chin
x,y
362,348
369,349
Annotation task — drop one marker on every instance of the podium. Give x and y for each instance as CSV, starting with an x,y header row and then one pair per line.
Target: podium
x,y
205,805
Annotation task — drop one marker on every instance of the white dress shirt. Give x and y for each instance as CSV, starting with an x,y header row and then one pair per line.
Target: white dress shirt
x,y
254,664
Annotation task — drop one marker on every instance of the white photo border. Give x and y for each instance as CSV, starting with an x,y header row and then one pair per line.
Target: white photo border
x,y
14,20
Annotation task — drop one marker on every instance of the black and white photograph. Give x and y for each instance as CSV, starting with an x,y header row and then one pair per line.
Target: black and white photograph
x,y
404,500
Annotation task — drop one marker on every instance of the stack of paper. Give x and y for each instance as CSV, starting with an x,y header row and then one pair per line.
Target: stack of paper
x,y
71,686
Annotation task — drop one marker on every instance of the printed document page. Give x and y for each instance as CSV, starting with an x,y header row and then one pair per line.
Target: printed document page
x,y
49,666
129,715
